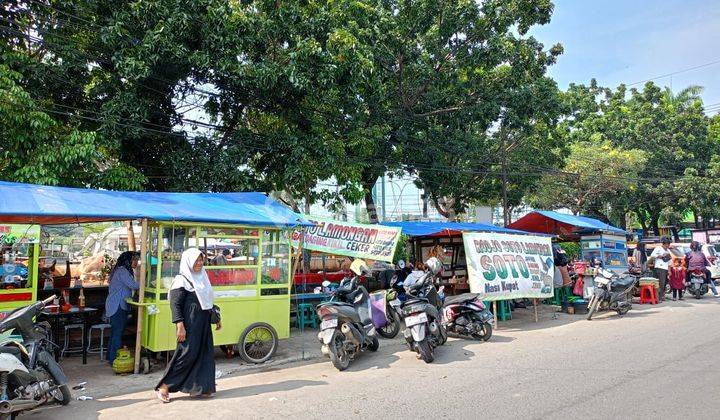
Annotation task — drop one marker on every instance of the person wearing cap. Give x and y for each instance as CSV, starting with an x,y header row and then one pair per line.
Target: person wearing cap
x,y
662,257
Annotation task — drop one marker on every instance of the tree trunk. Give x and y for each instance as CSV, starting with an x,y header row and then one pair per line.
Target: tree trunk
x,y
675,233
697,221
641,219
370,207
655,223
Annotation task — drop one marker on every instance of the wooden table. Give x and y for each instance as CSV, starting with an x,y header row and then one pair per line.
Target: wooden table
x,y
84,313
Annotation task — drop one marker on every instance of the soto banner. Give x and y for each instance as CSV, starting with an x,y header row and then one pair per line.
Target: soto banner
x,y
503,266
373,242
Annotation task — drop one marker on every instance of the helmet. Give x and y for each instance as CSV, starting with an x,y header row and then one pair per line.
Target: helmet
x,y
434,265
359,267
401,264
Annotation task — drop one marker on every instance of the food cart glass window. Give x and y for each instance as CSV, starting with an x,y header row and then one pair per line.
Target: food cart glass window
x,y
153,257
232,276
174,242
275,265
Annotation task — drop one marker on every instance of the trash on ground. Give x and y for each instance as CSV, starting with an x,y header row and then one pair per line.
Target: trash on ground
x,y
84,398
218,374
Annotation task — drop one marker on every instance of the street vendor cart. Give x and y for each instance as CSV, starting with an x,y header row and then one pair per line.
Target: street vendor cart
x,y
251,282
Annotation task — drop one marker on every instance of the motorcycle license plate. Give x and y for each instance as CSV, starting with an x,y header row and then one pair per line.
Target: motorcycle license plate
x,y
395,303
416,319
328,323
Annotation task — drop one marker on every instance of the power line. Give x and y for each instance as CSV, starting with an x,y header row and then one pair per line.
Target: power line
x,y
712,63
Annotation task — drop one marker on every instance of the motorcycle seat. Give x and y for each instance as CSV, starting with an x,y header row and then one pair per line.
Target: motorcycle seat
x,y
415,300
465,297
623,281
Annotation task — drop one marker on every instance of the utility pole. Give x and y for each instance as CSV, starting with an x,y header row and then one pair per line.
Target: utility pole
x,y
503,164
382,191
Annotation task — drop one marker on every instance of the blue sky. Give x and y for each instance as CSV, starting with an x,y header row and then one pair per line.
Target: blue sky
x,y
628,41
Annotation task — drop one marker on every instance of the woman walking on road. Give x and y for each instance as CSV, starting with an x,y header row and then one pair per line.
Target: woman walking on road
x,y
192,368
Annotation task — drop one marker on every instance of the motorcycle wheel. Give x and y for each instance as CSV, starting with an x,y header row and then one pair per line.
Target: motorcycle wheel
x,y
443,334
426,351
375,345
594,303
392,328
487,332
66,396
339,355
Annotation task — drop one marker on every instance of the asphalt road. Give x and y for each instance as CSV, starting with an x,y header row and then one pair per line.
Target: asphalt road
x,y
656,362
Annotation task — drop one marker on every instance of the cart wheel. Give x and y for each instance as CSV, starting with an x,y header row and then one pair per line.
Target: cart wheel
x,y
144,365
258,343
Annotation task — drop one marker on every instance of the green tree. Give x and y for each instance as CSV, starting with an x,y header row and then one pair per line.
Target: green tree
x,y
592,175
37,148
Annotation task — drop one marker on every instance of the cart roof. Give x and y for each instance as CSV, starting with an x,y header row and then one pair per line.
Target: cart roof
x,y
564,225
447,228
29,203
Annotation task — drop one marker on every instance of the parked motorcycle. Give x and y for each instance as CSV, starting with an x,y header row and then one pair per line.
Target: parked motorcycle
x,y
346,327
611,292
422,314
29,375
697,286
466,315
392,313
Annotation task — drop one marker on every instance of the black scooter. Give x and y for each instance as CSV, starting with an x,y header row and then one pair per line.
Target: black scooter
x,y
698,285
611,292
346,327
29,375
422,314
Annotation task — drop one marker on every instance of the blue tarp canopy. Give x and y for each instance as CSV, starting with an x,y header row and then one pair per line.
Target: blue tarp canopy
x,y
560,224
447,228
37,204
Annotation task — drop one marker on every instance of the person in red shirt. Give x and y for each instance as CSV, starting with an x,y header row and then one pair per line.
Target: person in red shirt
x,y
677,279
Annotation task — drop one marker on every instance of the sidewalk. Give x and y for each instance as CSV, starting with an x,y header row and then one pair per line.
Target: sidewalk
x,y
301,347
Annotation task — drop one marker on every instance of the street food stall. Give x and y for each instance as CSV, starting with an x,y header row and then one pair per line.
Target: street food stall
x,y
252,287
598,241
423,236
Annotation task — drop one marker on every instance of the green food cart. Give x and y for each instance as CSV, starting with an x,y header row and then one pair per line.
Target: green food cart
x,y
252,286
19,271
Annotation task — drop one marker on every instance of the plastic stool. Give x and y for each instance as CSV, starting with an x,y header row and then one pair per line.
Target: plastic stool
x,y
648,294
66,342
504,312
101,349
306,315
558,294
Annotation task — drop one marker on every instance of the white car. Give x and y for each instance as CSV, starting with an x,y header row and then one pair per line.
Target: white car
x,y
711,253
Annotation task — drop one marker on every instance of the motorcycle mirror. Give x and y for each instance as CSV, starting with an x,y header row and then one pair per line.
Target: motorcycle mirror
x,y
326,283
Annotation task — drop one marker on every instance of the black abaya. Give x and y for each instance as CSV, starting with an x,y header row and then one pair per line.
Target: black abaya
x,y
192,367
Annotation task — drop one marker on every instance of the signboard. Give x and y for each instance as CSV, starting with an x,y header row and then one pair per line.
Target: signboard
x,y
373,242
10,234
502,266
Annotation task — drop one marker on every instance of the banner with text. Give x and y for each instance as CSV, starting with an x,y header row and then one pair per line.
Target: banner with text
x,y
11,234
503,266
373,242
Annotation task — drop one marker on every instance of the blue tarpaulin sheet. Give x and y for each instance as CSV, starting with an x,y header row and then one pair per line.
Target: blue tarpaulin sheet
x,y
562,224
448,228
28,203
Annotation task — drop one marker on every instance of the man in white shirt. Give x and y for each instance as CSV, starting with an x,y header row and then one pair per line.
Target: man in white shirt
x,y
662,258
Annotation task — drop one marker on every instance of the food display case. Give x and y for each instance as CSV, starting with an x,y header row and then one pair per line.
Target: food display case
x,y
610,249
19,265
251,279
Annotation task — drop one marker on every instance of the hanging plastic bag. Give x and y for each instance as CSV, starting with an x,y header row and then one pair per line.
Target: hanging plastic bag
x,y
579,286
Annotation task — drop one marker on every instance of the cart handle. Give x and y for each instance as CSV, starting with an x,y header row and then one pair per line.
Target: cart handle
x,y
133,303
